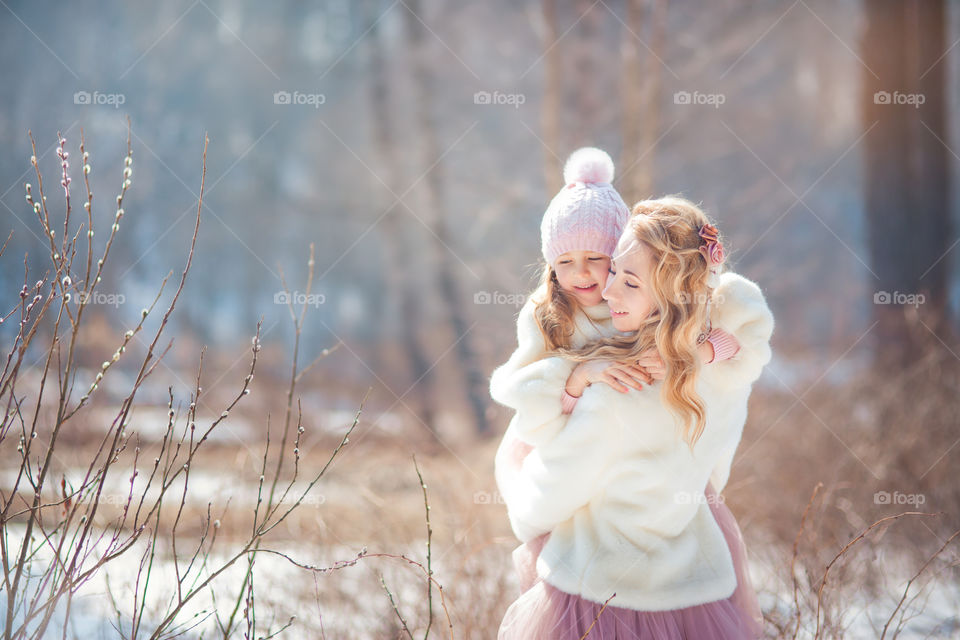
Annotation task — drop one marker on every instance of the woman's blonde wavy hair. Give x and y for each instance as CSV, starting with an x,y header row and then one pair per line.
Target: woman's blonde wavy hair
x,y
669,228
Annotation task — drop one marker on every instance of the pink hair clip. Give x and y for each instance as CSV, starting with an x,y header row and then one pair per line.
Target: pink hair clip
x,y
713,253
712,249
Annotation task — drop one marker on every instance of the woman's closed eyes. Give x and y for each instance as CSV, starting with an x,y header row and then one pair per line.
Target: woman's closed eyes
x,y
632,286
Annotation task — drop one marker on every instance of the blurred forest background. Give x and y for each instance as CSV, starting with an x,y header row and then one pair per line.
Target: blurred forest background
x,y
417,144
420,195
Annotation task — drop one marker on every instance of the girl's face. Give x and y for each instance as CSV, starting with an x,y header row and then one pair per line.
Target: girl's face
x,y
583,274
628,286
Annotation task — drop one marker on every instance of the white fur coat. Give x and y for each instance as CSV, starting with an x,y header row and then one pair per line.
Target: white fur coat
x,y
620,492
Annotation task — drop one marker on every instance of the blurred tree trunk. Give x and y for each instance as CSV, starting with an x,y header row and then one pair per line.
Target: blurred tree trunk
x,y
641,101
400,256
587,73
550,109
906,169
631,92
444,264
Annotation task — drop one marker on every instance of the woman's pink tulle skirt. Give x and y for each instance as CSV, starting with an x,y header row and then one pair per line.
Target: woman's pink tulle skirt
x,y
543,612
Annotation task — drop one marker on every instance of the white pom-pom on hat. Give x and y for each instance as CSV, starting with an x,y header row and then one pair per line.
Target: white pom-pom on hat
x,y
588,164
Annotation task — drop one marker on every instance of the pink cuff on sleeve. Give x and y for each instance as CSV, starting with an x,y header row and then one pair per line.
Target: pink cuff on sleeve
x,y
725,346
568,402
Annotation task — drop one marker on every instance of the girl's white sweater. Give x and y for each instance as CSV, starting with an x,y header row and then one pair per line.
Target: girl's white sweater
x,y
614,483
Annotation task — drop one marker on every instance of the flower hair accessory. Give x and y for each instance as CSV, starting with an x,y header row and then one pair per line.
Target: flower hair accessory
x,y
713,253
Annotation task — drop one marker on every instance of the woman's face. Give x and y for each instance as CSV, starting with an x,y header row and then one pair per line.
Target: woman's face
x,y
628,286
583,274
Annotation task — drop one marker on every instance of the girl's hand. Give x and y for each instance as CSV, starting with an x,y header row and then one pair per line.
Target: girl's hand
x,y
620,376
651,363
705,351
517,450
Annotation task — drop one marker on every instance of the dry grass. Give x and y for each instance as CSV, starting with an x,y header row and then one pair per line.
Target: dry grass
x,y
877,433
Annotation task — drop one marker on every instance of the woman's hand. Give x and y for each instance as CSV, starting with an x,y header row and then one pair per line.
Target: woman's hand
x,y
620,376
652,364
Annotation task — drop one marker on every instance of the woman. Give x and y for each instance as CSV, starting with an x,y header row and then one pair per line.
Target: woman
x,y
622,492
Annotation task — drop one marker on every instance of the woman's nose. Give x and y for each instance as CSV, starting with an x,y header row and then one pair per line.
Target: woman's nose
x,y
606,293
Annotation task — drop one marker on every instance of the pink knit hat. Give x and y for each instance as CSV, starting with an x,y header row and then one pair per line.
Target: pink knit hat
x,y
588,214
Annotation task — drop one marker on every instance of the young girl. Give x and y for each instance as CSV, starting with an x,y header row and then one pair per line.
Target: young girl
x,y
622,497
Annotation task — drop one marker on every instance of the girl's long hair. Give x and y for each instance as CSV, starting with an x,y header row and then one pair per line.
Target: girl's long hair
x,y
556,313
669,228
